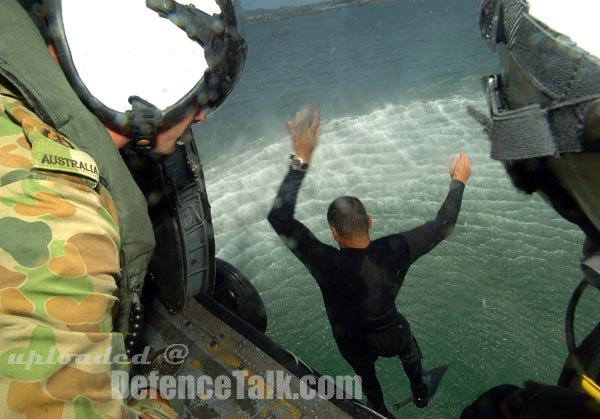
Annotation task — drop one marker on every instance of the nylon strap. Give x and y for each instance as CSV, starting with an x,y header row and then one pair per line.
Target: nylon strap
x,y
532,131
521,134
144,120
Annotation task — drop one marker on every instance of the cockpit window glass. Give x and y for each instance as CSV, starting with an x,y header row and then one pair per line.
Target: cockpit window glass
x,y
117,55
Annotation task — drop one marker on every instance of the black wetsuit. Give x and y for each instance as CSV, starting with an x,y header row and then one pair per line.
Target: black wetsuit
x,y
360,286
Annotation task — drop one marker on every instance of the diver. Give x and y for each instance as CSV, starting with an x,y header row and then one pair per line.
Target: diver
x,y
361,280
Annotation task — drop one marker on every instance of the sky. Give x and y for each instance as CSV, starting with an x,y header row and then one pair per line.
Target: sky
x,y
576,18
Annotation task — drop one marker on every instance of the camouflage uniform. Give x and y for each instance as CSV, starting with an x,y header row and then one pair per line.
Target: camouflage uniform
x,y
59,263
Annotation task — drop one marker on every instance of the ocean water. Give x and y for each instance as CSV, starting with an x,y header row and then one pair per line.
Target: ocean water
x,y
393,82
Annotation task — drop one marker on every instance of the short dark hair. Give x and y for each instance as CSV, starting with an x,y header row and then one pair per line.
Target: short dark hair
x,y
348,216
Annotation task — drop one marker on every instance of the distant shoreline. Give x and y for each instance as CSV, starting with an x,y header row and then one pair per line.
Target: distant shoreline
x,y
269,15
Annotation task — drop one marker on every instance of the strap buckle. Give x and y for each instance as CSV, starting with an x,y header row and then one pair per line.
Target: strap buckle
x,y
144,120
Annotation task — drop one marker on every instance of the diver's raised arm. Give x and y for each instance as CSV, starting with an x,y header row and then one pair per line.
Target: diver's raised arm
x,y
425,237
304,130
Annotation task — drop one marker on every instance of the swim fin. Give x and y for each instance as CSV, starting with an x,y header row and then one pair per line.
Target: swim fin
x,y
432,379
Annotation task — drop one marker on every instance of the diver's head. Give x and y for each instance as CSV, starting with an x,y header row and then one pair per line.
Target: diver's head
x,y
147,79
349,222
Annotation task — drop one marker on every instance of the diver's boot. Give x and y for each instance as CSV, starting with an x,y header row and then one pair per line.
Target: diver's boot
x,y
421,395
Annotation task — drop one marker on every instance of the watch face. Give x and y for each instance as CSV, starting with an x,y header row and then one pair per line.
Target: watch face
x,y
298,164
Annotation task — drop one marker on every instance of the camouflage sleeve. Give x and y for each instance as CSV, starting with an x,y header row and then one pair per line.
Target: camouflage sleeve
x,y
59,263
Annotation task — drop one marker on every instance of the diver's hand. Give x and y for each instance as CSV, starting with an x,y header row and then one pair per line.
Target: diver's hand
x,y
304,131
460,168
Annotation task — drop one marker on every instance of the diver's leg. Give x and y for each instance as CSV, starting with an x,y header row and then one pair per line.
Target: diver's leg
x,y
400,341
411,362
370,383
362,361
414,371
371,387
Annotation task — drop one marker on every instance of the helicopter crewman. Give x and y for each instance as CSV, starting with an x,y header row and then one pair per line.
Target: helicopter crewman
x,y
75,237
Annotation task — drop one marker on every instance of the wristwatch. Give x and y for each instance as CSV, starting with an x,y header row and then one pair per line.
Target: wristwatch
x,y
298,164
